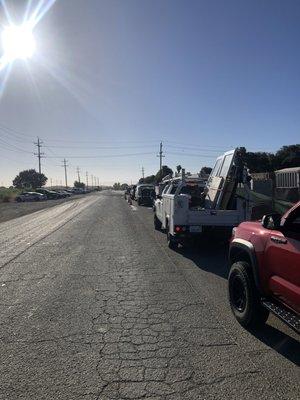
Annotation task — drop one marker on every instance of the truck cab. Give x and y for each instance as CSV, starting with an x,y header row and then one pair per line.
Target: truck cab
x,y
265,269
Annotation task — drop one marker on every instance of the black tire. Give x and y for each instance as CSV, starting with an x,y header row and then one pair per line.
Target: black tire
x,y
244,298
19,200
157,223
172,243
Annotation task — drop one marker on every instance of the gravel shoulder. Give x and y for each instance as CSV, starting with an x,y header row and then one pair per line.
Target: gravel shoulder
x,y
14,210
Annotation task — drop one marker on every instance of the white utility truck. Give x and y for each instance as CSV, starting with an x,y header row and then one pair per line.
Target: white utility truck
x,y
187,207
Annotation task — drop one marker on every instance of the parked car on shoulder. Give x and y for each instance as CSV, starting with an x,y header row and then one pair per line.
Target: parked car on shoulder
x,y
30,196
78,191
264,275
50,194
63,194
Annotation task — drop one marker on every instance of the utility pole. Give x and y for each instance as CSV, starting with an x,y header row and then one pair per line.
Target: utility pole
x,y
92,180
87,179
78,173
51,183
98,182
65,167
143,173
160,155
39,154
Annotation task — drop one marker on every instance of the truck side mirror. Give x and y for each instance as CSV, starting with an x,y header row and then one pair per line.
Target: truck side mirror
x,y
271,221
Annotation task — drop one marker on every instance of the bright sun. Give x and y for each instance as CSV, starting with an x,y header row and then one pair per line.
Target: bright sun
x,y
18,42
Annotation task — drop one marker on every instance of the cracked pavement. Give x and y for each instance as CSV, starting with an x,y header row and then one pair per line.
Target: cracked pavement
x,y
94,306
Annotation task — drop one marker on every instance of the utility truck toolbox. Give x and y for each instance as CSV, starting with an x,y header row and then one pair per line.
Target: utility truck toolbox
x,y
189,206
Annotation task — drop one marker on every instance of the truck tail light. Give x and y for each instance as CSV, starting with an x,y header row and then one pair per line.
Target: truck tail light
x,y
179,229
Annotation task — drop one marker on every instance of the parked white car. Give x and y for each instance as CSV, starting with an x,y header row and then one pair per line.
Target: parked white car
x,y
185,209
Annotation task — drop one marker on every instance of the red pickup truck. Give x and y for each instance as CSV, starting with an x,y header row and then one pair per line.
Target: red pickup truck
x,y
264,275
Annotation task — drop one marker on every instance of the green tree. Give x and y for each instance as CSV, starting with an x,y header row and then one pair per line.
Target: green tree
x,y
29,179
79,185
117,186
288,156
165,170
205,171
257,161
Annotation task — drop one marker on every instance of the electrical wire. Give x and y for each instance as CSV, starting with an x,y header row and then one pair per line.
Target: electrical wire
x,y
15,148
107,156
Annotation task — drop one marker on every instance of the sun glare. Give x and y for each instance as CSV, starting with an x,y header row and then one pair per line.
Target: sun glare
x,y
18,42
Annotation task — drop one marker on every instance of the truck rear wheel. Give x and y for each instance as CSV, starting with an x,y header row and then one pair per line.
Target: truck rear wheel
x,y
244,298
157,223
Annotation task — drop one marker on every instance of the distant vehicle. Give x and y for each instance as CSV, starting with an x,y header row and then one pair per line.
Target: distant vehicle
x,y
145,194
265,270
63,194
51,194
78,191
30,196
189,206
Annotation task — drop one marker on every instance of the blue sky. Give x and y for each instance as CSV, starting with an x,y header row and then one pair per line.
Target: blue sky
x,y
114,77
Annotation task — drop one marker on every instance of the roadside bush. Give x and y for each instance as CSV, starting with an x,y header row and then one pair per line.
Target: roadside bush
x,y
8,194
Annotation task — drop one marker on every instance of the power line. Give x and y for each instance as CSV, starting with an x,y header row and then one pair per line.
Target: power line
x,y
191,155
103,147
108,156
14,148
16,132
193,148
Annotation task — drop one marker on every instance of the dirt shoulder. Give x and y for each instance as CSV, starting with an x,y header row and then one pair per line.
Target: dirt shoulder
x,y
13,210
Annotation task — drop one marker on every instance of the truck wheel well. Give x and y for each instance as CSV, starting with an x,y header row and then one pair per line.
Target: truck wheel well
x,y
238,254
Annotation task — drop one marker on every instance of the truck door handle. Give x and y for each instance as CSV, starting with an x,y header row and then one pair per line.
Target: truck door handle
x,y
278,240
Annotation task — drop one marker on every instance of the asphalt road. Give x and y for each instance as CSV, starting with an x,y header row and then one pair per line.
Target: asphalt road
x,y
93,305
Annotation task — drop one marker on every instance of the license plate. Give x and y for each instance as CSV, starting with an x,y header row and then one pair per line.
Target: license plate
x,y
195,229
